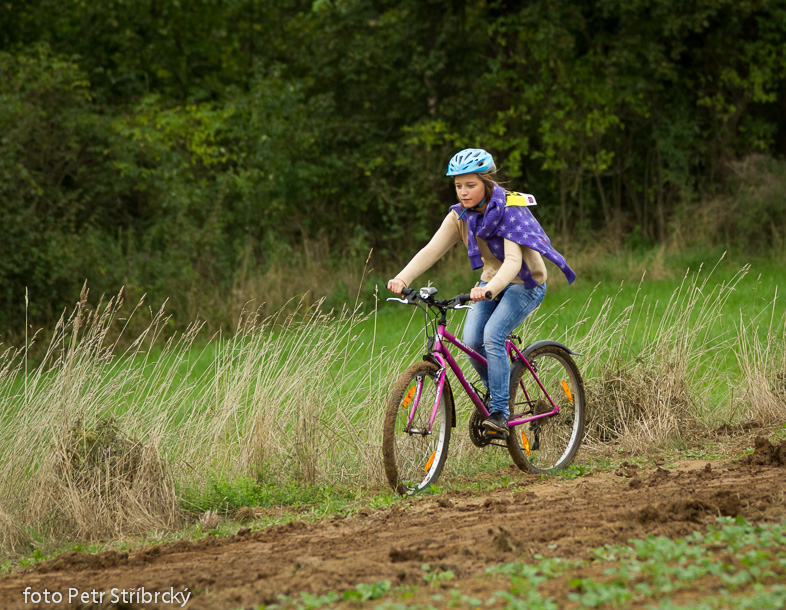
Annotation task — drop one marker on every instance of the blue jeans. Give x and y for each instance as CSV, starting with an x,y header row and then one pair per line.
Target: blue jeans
x,y
487,326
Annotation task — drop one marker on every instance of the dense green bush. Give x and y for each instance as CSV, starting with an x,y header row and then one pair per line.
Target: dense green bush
x,y
163,145
50,156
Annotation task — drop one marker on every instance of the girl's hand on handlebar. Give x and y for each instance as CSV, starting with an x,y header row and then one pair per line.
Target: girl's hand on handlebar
x,y
478,293
396,285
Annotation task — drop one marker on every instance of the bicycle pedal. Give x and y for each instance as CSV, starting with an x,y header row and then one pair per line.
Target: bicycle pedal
x,y
495,435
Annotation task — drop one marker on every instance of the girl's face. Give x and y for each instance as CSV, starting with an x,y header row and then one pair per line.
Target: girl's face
x,y
470,190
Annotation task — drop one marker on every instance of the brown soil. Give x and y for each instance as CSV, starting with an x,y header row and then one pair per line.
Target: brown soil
x,y
459,531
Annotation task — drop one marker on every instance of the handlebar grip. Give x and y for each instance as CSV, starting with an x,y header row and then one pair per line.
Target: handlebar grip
x,y
407,291
463,298
488,295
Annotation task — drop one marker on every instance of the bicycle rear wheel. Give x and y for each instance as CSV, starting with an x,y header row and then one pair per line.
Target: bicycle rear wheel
x,y
414,455
549,444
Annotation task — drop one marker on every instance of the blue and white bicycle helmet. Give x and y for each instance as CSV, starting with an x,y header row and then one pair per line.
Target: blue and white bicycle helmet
x,y
471,160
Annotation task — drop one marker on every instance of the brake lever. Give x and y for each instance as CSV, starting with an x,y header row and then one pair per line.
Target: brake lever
x,y
399,300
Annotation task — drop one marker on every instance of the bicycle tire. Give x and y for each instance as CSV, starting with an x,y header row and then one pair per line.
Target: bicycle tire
x,y
414,462
552,441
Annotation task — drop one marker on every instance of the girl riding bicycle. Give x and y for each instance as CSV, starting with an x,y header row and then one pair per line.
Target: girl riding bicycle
x,y
504,239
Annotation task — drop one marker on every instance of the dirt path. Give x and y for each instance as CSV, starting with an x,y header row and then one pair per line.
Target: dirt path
x,y
463,532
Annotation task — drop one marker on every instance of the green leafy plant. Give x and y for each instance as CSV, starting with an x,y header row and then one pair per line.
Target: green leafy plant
x,y
365,592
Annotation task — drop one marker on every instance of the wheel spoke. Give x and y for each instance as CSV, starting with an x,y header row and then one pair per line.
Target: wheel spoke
x,y
549,443
414,451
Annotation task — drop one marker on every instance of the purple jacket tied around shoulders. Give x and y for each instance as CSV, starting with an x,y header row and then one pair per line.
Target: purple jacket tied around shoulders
x,y
515,223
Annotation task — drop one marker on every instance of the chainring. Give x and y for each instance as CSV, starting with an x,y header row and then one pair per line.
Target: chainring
x,y
476,435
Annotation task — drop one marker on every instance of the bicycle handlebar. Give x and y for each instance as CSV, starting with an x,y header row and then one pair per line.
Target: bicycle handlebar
x,y
413,295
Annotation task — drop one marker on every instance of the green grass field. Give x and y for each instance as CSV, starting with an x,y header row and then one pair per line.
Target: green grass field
x,y
674,345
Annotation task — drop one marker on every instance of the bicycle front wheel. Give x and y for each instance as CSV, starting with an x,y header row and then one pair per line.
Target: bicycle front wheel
x,y
547,445
414,449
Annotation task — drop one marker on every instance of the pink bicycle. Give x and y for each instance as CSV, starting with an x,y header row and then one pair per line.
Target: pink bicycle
x,y
546,414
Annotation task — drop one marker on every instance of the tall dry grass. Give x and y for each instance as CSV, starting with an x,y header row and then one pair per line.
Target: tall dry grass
x,y
312,270
750,217
65,472
656,373
99,444
760,353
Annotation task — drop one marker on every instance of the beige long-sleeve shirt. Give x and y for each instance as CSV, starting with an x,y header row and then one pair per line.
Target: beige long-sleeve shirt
x,y
497,273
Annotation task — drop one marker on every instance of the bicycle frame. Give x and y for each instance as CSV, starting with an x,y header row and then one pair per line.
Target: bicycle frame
x,y
445,360
416,435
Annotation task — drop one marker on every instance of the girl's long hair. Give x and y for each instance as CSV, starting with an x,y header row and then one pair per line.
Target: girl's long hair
x,y
488,183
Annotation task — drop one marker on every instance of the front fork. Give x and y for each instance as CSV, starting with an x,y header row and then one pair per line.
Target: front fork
x,y
415,400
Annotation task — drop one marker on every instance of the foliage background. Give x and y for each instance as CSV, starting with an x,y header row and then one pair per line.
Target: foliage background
x,y
187,150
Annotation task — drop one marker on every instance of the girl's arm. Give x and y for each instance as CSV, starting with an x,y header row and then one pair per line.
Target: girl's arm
x,y
444,239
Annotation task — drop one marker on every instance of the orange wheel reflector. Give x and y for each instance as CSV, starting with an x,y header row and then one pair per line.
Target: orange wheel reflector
x,y
430,461
568,393
524,442
408,397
